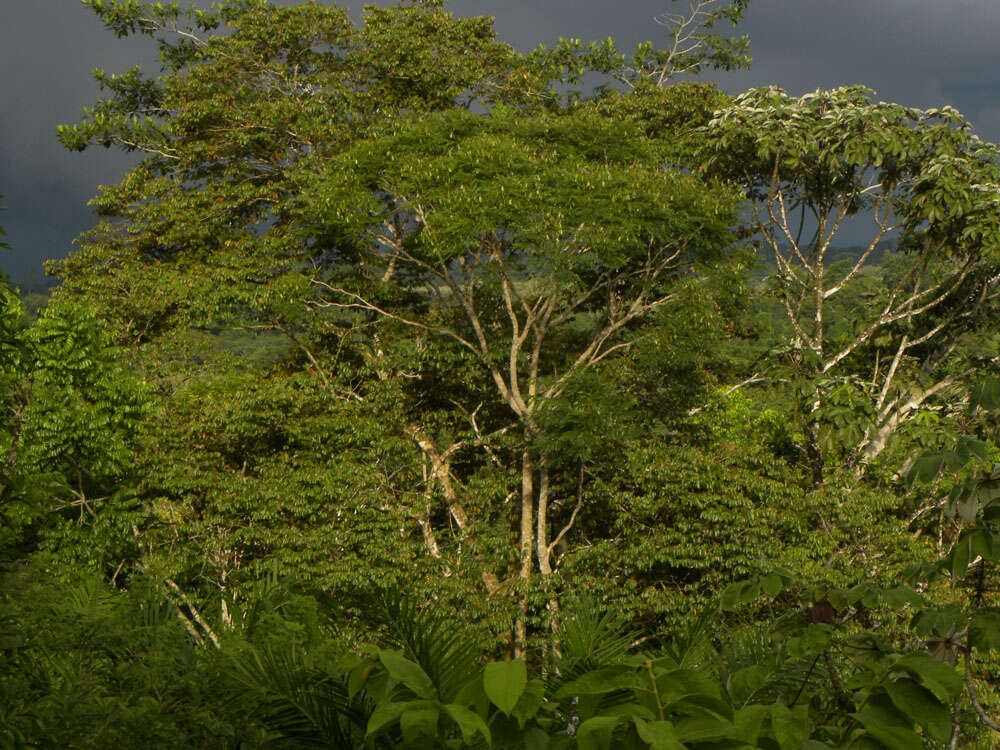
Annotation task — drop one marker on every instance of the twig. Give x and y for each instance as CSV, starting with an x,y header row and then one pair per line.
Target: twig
x,y
972,695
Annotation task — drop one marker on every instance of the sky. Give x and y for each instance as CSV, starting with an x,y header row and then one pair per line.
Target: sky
x,y
921,53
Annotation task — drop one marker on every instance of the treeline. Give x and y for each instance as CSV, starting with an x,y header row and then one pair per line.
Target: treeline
x,y
414,391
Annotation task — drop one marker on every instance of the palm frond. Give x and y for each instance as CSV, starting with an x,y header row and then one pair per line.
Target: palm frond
x,y
449,654
294,699
590,636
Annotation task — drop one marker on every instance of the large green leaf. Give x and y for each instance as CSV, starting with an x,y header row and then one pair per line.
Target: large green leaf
x,y
604,680
660,735
595,733
704,729
504,683
407,672
938,677
535,739
389,713
748,722
420,725
984,632
883,721
791,726
469,722
530,701
895,738
922,706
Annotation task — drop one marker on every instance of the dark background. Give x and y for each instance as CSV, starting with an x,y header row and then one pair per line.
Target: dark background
x,y
922,53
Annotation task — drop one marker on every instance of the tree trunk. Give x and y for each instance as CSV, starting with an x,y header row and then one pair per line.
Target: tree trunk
x,y
527,552
542,536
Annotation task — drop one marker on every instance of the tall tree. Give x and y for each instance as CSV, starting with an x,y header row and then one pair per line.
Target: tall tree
x,y
813,165
539,246
236,217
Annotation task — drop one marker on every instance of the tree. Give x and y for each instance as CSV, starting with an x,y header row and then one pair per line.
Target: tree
x,y
812,165
538,246
230,220
70,412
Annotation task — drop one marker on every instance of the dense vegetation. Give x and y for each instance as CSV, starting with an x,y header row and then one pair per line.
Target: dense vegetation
x,y
414,391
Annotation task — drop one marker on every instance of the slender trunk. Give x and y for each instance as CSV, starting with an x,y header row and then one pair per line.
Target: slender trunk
x,y
812,427
544,553
542,537
440,467
430,540
195,615
527,537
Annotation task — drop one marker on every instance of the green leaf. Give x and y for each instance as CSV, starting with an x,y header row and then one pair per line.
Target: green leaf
x,y
535,739
936,676
469,722
389,713
504,683
895,738
407,672
731,596
960,555
899,597
968,447
883,721
984,632
704,729
922,707
750,592
659,735
743,683
747,723
595,733
986,394
357,677
530,701
791,726
925,468
604,680
772,584
968,508
418,724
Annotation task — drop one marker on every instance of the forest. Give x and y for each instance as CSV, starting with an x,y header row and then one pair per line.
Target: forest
x,y
415,391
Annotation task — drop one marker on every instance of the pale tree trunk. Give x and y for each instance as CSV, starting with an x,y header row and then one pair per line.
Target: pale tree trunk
x,y
542,537
526,552
544,553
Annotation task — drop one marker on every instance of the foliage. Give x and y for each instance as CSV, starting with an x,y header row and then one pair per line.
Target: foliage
x,y
814,164
829,673
411,393
70,413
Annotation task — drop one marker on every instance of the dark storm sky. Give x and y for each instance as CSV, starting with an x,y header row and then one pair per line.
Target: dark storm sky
x,y
918,52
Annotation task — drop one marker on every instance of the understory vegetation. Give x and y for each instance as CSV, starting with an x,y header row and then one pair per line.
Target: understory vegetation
x,y
413,391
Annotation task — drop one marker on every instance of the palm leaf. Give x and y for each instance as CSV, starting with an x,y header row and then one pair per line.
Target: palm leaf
x,y
449,654
295,700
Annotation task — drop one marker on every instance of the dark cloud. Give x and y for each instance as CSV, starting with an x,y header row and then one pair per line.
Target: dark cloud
x,y
912,51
